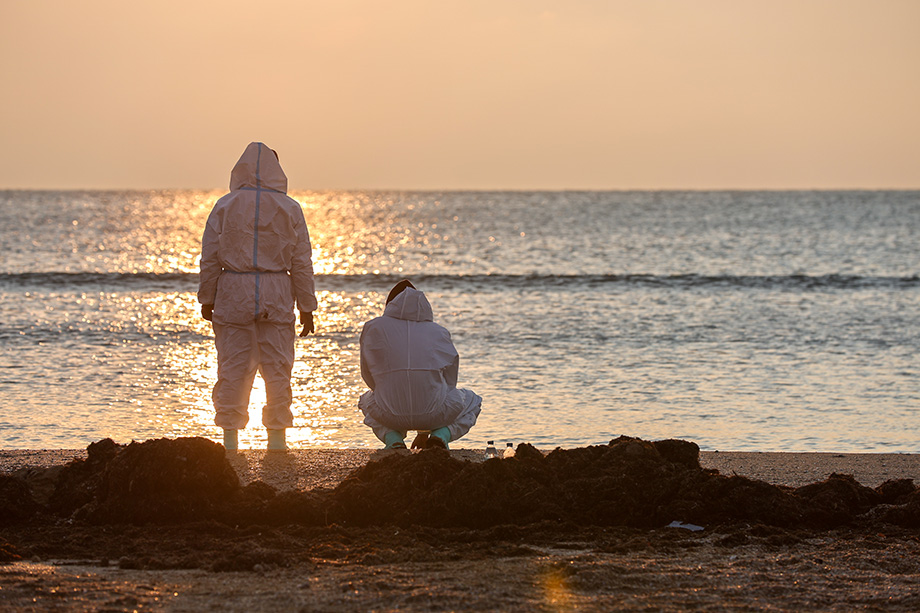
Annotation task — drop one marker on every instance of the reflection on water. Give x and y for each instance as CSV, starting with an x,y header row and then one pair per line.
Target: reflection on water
x,y
324,381
715,329
142,365
749,370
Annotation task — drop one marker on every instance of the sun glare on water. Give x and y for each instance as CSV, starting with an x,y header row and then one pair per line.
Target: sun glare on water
x,y
325,379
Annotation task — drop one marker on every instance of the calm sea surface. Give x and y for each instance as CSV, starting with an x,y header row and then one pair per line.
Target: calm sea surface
x,y
741,320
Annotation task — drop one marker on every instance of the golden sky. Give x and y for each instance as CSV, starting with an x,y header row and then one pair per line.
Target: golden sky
x,y
463,94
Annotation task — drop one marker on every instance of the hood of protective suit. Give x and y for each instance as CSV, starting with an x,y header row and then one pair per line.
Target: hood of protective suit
x,y
256,256
258,167
411,305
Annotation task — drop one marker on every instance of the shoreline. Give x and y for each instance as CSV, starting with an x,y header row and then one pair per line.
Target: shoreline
x,y
306,469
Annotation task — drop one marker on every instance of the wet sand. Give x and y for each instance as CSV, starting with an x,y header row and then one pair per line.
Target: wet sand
x,y
674,571
531,568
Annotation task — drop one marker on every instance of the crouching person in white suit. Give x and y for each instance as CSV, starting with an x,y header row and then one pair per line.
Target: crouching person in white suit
x,y
411,366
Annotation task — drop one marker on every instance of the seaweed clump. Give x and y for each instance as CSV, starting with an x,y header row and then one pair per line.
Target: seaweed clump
x,y
628,482
160,481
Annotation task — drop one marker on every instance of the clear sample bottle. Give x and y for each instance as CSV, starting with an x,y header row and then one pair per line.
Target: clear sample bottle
x,y
491,451
509,451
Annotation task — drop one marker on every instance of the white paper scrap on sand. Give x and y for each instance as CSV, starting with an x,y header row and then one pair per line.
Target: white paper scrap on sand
x,y
678,524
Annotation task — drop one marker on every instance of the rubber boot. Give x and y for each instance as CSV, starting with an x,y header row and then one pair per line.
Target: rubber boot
x,y
395,440
231,440
443,437
276,440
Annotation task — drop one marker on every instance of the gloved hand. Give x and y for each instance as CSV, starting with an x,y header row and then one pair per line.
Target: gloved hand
x,y
207,311
306,318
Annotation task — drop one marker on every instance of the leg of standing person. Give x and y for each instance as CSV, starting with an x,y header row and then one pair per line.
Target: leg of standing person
x,y
276,361
236,369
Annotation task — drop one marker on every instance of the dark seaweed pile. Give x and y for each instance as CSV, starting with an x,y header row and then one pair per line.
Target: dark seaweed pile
x,y
629,482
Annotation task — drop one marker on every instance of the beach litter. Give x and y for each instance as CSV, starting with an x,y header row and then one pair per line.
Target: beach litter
x,y
690,527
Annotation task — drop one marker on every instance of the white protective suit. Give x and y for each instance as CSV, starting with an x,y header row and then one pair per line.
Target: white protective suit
x,y
411,366
256,260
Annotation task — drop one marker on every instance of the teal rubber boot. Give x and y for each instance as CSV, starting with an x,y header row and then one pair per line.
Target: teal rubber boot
x,y
395,440
443,437
276,440
231,440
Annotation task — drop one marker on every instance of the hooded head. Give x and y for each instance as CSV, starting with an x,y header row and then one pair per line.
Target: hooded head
x,y
398,288
409,304
258,167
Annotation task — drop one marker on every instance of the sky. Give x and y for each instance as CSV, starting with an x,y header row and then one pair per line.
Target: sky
x,y
471,94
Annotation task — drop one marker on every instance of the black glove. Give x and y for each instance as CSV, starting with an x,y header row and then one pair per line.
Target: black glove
x,y
306,318
207,311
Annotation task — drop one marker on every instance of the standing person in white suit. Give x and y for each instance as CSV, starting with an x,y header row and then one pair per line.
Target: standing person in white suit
x,y
411,366
256,262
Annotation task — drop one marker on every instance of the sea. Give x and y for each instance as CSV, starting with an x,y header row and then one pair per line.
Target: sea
x,y
745,321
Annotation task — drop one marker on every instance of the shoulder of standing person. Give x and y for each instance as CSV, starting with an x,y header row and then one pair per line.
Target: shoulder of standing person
x,y
295,210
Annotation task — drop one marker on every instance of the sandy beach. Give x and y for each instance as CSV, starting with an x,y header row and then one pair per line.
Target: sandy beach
x,y
542,565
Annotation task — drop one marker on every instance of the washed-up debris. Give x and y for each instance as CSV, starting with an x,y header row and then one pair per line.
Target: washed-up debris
x,y
628,482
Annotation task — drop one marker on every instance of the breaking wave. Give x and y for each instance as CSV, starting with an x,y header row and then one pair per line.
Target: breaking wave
x,y
188,281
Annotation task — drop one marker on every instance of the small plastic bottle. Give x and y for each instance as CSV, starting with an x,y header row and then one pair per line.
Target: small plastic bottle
x,y
491,451
509,451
